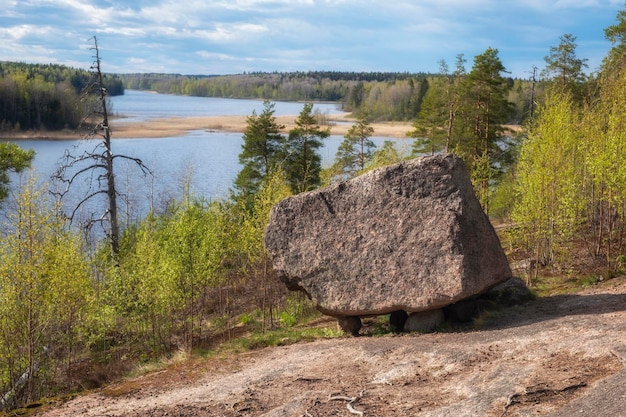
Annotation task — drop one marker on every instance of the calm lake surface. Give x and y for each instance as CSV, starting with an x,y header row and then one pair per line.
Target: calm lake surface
x,y
205,161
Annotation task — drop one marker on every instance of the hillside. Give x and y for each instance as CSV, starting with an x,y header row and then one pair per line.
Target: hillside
x,y
562,355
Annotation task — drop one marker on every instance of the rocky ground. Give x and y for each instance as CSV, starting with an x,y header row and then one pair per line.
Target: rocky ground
x,y
556,356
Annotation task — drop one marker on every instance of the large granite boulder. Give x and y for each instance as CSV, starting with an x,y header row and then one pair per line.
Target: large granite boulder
x,y
411,236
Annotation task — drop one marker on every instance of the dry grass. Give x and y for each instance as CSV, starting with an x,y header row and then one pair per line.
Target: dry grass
x,y
178,126
175,126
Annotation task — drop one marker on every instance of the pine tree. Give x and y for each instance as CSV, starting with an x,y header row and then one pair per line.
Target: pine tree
x,y
260,152
565,68
433,128
302,158
356,149
12,159
484,110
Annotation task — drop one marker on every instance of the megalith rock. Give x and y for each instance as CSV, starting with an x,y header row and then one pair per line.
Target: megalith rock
x,y
411,236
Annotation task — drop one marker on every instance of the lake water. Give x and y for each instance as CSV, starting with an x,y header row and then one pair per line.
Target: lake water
x,y
205,160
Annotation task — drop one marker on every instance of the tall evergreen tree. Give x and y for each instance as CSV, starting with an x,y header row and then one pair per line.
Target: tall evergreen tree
x,y
484,110
356,149
303,162
434,126
564,67
260,151
429,127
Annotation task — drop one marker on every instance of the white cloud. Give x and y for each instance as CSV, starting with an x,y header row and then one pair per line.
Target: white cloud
x,y
228,33
19,32
307,34
123,31
213,56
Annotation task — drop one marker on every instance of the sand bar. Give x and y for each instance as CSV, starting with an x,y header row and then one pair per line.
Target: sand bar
x,y
178,126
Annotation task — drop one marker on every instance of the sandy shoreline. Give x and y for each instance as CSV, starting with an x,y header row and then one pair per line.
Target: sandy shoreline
x,y
177,126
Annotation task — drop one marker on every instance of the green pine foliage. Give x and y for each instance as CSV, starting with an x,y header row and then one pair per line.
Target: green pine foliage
x,y
355,151
430,131
260,151
302,162
12,159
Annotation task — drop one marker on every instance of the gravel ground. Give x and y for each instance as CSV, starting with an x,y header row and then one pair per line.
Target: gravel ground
x,y
556,356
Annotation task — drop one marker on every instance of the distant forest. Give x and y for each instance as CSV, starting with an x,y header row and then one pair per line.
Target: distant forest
x,y
379,96
45,97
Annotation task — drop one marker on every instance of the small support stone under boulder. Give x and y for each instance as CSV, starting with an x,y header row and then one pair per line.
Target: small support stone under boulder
x,y
409,237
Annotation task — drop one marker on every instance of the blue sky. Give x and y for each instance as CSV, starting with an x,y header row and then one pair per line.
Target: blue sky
x,y
232,36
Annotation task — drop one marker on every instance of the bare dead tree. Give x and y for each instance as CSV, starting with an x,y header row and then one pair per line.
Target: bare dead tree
x,y
95,164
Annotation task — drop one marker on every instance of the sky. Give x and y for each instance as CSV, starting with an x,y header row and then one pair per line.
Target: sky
x,y
235,36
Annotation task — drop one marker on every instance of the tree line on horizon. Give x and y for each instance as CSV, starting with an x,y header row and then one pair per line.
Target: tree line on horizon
x,y
45,96
194,270
382,96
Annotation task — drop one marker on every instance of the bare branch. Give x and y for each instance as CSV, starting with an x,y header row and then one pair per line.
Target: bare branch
x,y
83,201
145,169
99,161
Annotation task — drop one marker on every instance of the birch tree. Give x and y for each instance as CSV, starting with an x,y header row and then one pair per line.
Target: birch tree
x,y
45,295
550,180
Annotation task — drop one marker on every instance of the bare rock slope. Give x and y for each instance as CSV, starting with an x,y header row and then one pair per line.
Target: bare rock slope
x,y
559,356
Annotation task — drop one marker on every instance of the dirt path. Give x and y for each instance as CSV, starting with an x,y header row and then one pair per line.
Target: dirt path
x,y
559,356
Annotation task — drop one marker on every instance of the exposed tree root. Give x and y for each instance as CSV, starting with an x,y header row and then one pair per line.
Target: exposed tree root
x,y
532,394
350,401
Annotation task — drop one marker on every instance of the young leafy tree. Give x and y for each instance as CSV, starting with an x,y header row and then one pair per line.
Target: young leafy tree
x,y
356,149
46,294
260,151
550,179
604,127
303,161
166,271
12,159
386,155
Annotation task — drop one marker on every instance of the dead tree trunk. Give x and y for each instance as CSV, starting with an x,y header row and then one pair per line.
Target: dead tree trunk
x,y
114,230
97,163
